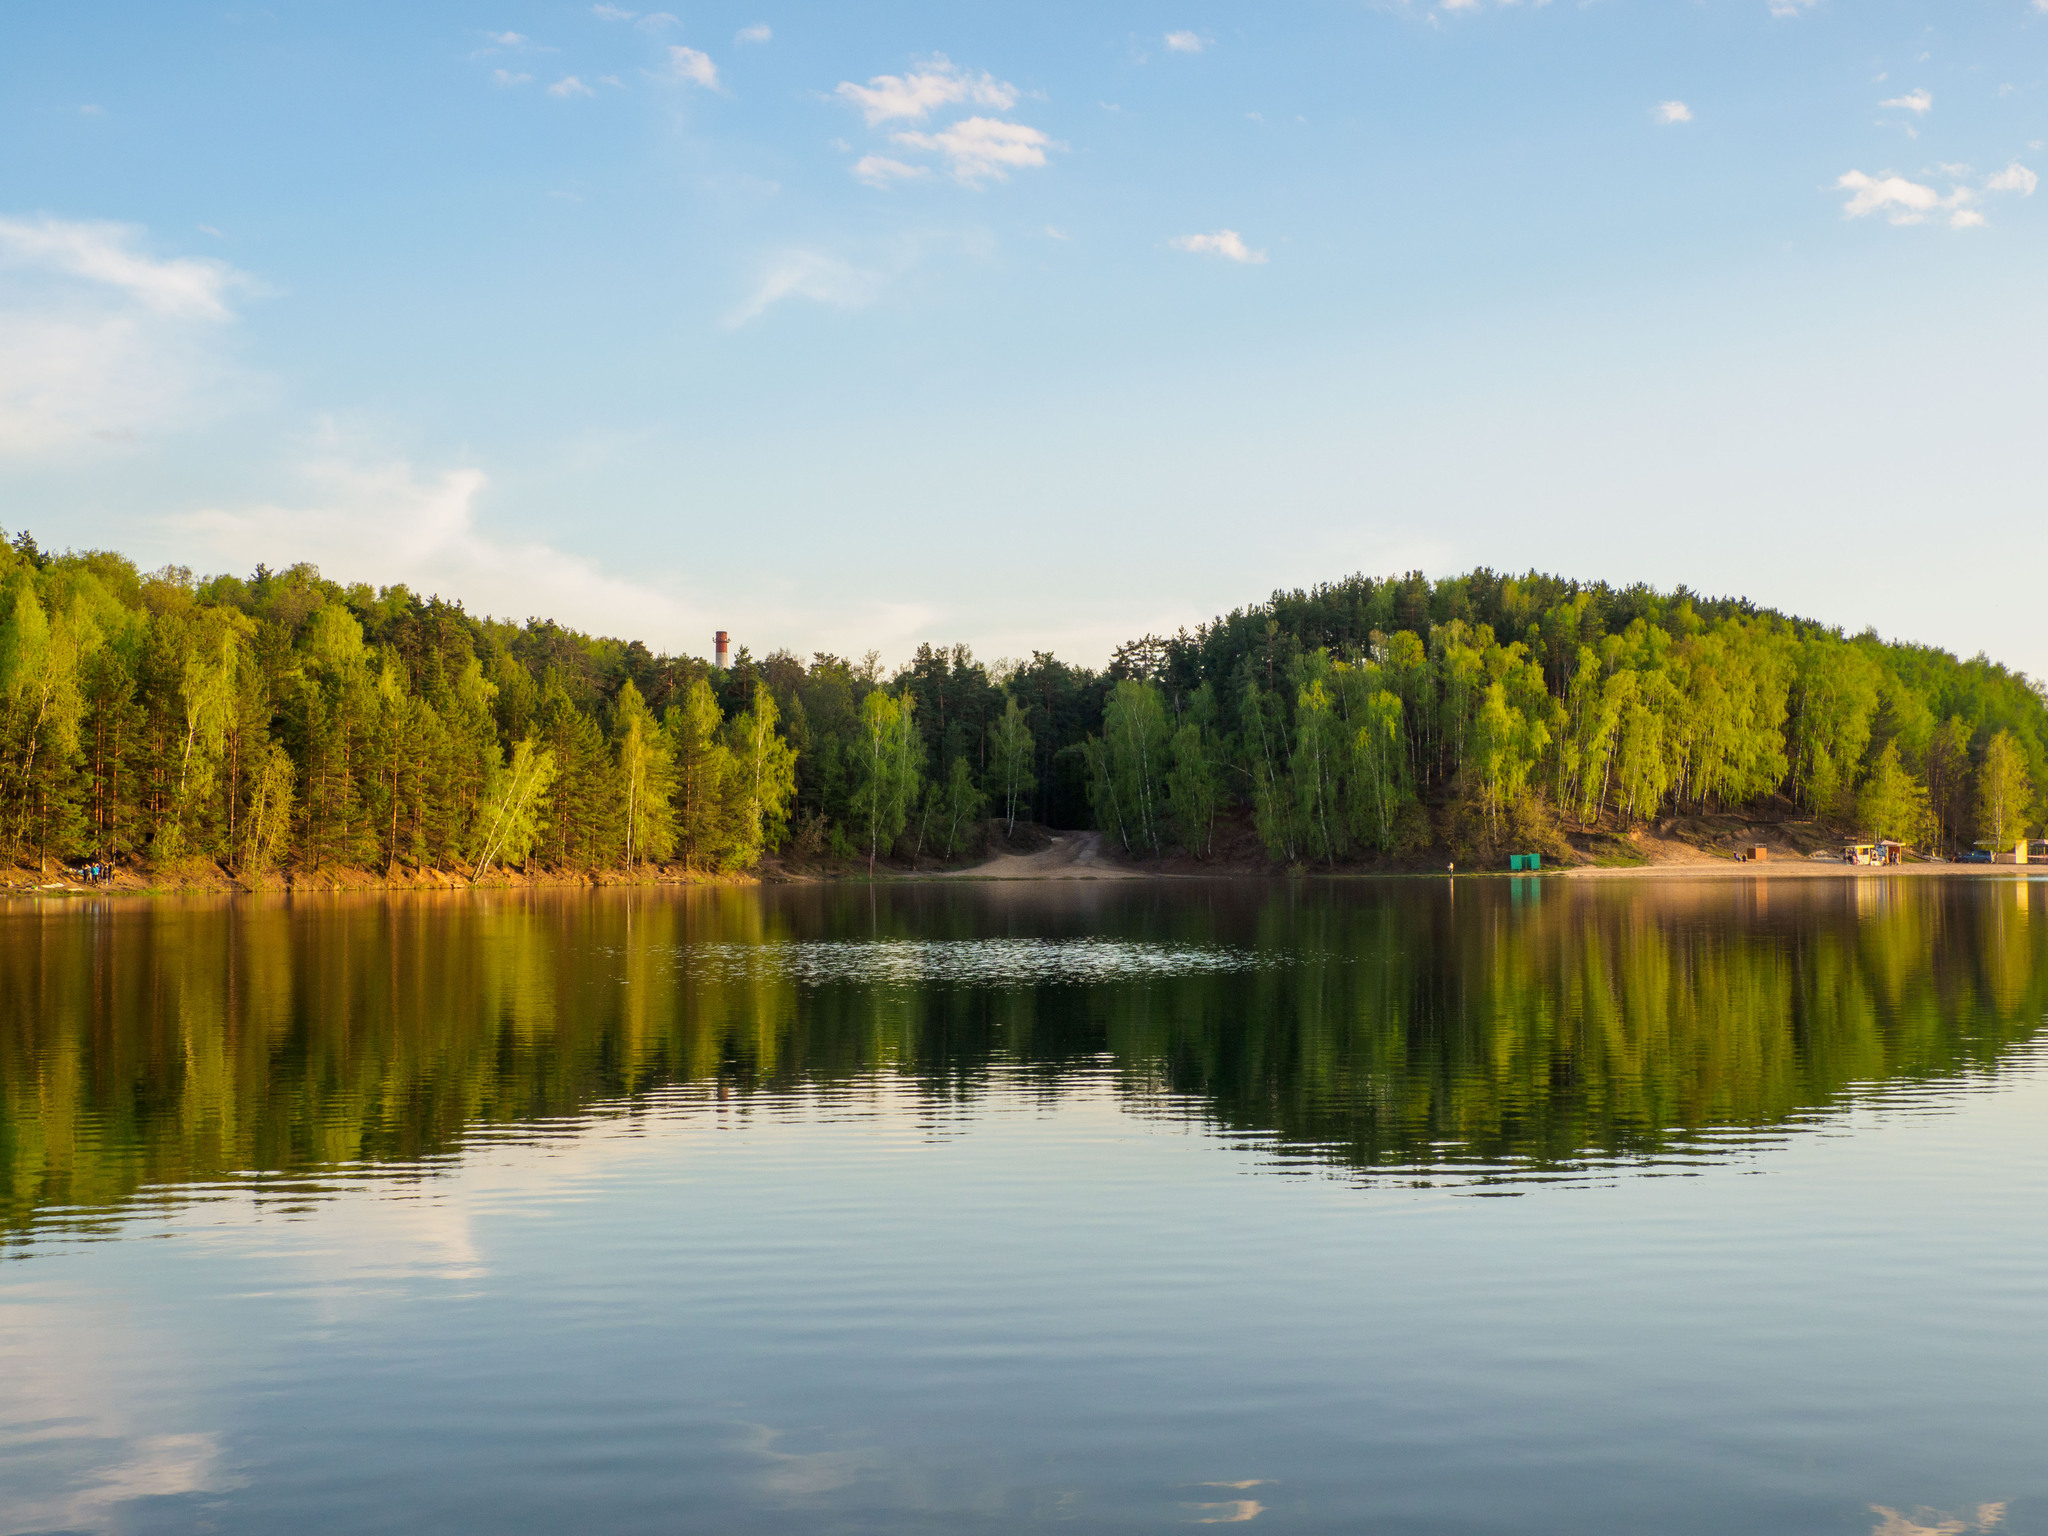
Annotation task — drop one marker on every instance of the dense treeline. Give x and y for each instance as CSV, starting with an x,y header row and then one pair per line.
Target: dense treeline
x,y
287,721
1379,716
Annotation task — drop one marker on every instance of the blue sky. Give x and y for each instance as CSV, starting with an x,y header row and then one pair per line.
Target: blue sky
x,y
1038,326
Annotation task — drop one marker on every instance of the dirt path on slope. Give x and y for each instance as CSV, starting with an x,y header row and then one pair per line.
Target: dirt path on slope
x,y
1072,856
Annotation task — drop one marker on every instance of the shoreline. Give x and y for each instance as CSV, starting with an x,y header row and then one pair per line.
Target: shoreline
x,y
1070,867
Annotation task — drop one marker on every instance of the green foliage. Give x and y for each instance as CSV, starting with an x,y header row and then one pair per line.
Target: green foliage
x,y
1010,748
1836,699
1194,787
645,773
1892,803
761,783
268,822
281,720
703,772
1949,778
888,770
2003,792
954,812
512,822
1128,766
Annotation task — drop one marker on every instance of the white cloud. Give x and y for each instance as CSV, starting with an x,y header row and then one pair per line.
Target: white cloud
x,y
507,77
881,171
689,64
1054,232
104,253
100,341
2014,178
760,32
806,275
1920,102
510,39
569,86
1791,7
384,522
1910,202
1673,112
1227,243
1906,202
935,82
611,13
978,149
654,21
1185,42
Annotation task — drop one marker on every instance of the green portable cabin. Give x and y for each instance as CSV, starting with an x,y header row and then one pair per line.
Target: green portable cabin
x,y
1521,861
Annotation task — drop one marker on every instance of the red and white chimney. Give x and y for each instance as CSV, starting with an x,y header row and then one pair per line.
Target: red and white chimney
x,y
718,648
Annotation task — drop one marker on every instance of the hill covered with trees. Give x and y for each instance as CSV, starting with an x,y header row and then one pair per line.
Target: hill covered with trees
x,y
286,723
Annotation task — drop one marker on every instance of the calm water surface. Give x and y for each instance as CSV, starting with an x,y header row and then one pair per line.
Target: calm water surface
x,y
1529,1206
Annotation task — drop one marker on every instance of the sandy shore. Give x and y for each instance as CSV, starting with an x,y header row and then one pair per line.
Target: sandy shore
x,y
1806,869
1072,856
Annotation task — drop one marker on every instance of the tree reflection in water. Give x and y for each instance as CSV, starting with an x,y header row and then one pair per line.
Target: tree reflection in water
x,y
1502,1029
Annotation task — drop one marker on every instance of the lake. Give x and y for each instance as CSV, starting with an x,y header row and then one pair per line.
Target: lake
x,y
1532,1206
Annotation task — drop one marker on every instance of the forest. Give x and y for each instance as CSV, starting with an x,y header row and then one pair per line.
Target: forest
x,y
283,724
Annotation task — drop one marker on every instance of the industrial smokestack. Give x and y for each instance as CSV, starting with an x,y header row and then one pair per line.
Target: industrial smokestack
x,y
718,642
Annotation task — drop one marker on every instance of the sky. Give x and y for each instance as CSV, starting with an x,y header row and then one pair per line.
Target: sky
x,y
1036,327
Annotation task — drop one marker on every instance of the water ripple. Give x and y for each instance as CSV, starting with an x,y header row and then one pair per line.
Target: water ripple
x,y
978,962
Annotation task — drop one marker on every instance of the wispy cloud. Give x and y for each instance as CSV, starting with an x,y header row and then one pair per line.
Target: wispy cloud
x,y
508,77
654,21
1920,102
1186,42
1227,243
881,171
361,517
103,253
760,32
978,149
697,68
569,86
1228,1512
511,42
1673,112
934,82
800,274
1791,8
611,13
99,340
